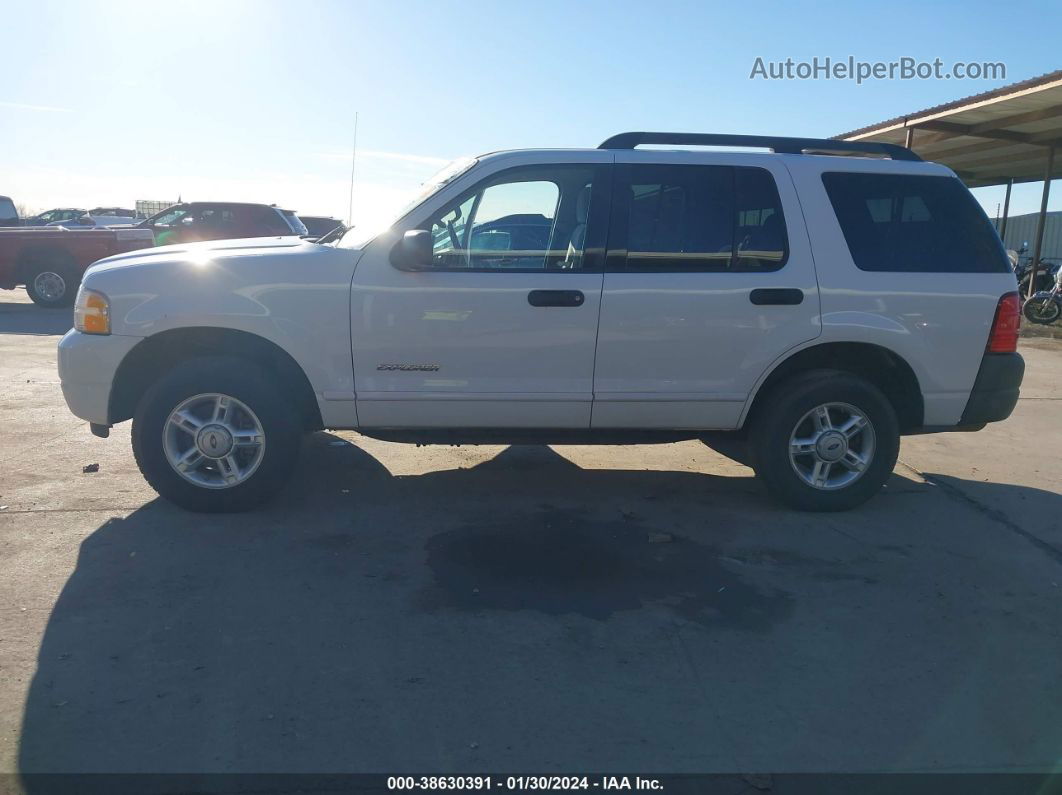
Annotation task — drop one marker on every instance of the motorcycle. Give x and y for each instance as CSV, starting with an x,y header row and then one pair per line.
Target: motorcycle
x,y
1045,276
1045,306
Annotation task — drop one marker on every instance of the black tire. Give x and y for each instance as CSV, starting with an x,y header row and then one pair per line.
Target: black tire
x,y
43,274
240,379
1033,310
778,418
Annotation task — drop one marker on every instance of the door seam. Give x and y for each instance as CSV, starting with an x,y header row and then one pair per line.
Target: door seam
x,y
601,296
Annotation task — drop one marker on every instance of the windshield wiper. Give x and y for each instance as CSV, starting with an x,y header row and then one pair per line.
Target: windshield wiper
x,y
335,234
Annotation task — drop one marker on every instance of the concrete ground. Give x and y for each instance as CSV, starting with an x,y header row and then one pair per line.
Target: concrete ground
x,y
488,609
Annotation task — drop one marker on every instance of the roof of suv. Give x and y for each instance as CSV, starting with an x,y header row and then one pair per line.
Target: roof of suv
x,y
225,204
778,144
857,156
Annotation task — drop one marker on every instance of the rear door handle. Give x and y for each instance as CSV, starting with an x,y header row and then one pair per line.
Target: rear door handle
x,y
779,296
555,298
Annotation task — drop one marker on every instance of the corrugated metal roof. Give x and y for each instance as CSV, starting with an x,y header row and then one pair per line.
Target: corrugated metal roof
x,y
986,138
973,99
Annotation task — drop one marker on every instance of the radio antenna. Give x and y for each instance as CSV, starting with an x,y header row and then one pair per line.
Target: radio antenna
x,y
353,163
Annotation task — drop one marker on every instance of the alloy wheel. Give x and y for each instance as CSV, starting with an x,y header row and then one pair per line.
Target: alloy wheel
x,y
213,440
832,446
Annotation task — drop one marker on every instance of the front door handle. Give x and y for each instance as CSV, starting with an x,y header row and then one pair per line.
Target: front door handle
x,y
778,296
555,298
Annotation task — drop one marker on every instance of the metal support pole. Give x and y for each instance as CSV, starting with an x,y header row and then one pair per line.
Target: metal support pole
x,y
1006,211
909,140
1042,220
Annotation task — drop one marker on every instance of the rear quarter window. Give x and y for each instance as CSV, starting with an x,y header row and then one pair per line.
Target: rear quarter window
x,y
913,224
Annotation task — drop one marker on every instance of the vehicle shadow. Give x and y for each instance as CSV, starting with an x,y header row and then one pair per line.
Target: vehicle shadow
x,y
366,621
19,318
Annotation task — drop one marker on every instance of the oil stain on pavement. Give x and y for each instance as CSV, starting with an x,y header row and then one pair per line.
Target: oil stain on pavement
x,y
558,562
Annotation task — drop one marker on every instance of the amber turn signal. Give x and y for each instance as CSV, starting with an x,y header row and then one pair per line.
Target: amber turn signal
x,y
92,312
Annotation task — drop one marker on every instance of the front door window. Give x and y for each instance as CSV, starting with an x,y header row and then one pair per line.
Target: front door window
x,y
531,219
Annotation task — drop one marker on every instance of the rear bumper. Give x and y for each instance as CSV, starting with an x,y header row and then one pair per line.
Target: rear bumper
x,y
87,364
995,392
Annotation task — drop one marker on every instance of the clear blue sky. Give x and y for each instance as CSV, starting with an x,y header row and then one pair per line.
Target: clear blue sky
x,y
108,102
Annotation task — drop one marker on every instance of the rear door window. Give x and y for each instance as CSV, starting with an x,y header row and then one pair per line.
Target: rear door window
x,y
692,218
221,219
913,224
266,222
680,218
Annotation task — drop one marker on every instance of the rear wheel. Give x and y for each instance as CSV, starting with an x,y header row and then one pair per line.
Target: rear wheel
x,y
825,441
1042,310
51,282
214,435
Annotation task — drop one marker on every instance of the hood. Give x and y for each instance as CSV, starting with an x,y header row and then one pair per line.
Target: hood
x,y
221,283
203,252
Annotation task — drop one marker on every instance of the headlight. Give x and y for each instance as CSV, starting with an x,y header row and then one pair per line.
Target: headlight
x,y
92,312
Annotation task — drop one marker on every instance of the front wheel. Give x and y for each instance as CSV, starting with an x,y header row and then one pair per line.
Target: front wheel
x,y
214,435
825,441
1042,309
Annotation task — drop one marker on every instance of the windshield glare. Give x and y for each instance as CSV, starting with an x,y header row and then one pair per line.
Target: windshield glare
x,y
358,236
168,216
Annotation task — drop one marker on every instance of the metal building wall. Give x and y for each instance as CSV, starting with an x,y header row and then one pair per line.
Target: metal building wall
x,y
1022,228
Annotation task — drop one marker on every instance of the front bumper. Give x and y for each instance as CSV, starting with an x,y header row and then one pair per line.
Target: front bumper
x,y
995,391
87,364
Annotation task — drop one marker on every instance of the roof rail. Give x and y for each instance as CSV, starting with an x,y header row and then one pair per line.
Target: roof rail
x,y
794,146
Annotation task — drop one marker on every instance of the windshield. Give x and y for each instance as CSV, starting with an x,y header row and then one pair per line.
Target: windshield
x,y
359,236
168,216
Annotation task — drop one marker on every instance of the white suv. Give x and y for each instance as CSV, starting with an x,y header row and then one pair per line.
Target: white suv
x,y
796,309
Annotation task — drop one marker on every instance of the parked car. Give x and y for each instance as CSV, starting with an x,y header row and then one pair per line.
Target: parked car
x,y
8,212
88,220
317,226
192,222
58,215
119,212
799,309
50,261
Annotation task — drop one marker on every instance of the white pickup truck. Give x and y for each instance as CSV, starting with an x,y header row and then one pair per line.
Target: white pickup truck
x,y
801,306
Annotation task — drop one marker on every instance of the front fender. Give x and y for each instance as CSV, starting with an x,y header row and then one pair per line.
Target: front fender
x,y
298,300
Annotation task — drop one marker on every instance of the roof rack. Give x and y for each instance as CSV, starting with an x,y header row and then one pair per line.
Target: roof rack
x,y
794,146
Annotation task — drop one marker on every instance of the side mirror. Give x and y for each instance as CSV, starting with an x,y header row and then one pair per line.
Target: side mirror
x,y
413,251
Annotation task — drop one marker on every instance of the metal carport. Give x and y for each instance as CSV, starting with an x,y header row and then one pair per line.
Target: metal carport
x,y
1001,137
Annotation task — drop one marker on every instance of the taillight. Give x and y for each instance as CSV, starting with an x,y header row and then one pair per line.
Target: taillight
x,y
1004,335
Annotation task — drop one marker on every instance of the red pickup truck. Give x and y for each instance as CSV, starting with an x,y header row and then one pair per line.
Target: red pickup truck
x,y
50,261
